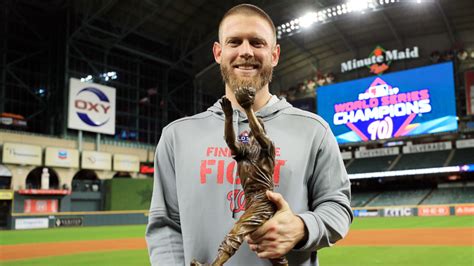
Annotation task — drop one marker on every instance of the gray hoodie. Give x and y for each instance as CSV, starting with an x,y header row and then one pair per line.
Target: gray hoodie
x,y
197,196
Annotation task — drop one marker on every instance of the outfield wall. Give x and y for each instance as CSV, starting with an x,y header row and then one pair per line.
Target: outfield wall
x,y
68,219
419,210
72,219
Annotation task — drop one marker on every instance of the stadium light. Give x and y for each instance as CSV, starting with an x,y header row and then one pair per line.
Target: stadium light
x,y
308,19
87,79
330,13
106,76
109,75
358,5
41,91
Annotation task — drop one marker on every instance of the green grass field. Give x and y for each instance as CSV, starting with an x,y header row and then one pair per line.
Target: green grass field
x,y
337,255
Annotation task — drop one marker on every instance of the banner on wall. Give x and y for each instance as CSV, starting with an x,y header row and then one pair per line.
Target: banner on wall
x,y
127,163
60,157
96,160
433,211
461,210
436,146
366,213
91,107
22,154
405,103
40,206
6,194
31,223
68,221
398,211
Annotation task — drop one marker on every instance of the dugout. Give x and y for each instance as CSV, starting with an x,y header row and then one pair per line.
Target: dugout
x,y
6,195
86,191
42,193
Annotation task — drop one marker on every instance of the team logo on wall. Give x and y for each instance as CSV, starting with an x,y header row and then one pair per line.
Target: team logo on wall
x,y
378,68
91,107
62,154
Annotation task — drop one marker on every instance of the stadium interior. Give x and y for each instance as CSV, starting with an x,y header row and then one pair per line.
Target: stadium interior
x,y
156,56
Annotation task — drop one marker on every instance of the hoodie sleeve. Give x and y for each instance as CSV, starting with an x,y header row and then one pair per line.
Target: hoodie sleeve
x,y
163,233
329,195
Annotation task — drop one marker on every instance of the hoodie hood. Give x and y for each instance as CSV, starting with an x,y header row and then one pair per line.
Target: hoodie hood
x,y
267,112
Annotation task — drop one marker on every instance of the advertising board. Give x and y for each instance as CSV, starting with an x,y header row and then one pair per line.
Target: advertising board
x,y
433,211
60,157
40,206
96,160
31,223
406,103
91,107
23,154
398,211
366,213
461,210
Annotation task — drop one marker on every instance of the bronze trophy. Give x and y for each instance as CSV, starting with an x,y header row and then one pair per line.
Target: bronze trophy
x,y
255,165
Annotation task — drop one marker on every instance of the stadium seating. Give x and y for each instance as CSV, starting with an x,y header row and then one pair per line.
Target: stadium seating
x,y
361,199
399,197
346,161
422,160
462,157
374,164
450,196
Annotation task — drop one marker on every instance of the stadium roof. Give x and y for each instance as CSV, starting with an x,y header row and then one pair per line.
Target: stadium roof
x,y
180,33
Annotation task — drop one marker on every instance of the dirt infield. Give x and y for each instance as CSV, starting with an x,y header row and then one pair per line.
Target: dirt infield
x,y
28,251
386,237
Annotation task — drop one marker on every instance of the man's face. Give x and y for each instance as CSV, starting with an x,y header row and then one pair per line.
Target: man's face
x,y
246,51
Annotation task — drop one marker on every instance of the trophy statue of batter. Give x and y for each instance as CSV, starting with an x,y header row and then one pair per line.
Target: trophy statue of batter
x,y
256,163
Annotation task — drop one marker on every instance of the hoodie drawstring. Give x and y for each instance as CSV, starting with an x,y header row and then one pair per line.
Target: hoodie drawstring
x,y
235,119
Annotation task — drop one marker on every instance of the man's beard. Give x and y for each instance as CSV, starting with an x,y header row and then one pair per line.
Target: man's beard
x,y
257,82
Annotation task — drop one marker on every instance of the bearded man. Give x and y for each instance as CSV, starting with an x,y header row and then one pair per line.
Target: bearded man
x,y
197,194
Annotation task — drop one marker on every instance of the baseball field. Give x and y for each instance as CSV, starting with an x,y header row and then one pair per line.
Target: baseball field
x,y
417,241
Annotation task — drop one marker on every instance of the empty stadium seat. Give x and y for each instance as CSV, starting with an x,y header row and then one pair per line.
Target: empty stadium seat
x,y
462,157
450,196
369,165
361,199
422,160
399,197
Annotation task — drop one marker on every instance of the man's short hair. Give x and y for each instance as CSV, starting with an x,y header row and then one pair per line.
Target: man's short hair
x,y
248,10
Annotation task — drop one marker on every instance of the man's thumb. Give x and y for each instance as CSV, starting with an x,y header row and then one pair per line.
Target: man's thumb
x,y
278,199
